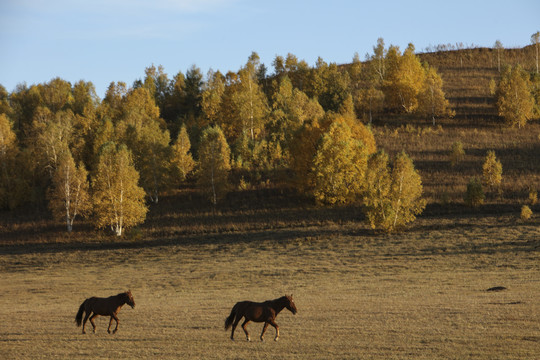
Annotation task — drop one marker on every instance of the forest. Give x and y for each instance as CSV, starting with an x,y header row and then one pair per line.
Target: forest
x,y
328,136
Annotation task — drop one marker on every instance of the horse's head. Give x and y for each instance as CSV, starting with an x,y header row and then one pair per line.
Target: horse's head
x,y
129,299
290,304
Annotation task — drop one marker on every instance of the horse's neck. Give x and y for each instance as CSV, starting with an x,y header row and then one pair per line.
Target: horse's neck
x,y
119,300
278,305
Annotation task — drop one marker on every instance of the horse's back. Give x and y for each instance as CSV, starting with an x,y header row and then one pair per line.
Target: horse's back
x,y
99,305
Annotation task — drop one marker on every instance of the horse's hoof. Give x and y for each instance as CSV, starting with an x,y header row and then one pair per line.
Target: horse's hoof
x,y
248,339
276,339
109,331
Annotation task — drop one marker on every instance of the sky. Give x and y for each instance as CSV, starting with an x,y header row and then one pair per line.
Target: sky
x,y
115,40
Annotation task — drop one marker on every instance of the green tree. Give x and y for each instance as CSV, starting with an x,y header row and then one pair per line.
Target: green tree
x,y
214,164
118,200
69,196
515,102
339,166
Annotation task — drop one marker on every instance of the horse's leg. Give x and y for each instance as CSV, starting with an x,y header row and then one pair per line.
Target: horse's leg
x,y
110,323
117,321
234,325
263,330
84,321
92,321
245,330
273,323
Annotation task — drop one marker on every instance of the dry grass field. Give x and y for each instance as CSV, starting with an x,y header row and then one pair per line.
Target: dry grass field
x,y
420,294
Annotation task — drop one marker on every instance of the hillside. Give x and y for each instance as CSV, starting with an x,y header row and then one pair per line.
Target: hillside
x,y
271,206
467,74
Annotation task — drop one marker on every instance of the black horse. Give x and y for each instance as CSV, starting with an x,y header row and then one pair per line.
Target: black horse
x,y
103,306
259,312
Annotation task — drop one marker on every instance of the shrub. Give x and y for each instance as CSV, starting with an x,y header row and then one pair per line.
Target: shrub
x,y
474,196
457,154
533,197
526,213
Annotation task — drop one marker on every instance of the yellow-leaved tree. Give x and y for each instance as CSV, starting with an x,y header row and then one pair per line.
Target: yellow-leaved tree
x,y
339,166
393,197
492,171
515,101
306,142
214,164
12,182
431,99
404,80
69,196
182,162
117,198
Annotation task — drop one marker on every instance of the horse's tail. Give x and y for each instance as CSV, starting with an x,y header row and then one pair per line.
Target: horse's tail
x,y
230,319
78,317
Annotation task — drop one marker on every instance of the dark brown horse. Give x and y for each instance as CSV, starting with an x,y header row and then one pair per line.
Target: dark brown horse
x,y
103,306
259,312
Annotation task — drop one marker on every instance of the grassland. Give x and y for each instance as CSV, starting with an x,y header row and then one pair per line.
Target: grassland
x,y
419,294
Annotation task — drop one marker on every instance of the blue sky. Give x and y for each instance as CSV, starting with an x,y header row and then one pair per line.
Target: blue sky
x,y
115,40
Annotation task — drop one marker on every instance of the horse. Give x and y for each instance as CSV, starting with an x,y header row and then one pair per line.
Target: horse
x,y
103,306
259,312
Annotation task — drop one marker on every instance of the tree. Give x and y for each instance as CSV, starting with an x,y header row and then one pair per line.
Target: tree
x,y
457,153
69,195
339,166
250,102
535,40
474,196
393,197
306,140
53,142
142,130
492,171
118,200
182,161
290,109
431,99
515,102
214,164
498,46
212,97
404,80
12,182
378,59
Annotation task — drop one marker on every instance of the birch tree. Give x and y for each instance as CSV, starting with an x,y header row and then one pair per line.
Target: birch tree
x,y
535,40
69,196
214,164
118,200
515,103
